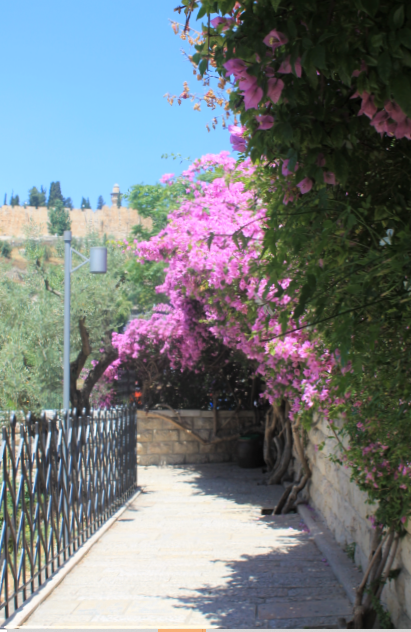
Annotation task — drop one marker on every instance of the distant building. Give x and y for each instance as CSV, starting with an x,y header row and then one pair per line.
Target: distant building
x,y
115,194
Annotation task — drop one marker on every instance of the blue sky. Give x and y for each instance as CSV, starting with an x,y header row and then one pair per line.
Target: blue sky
x,y
82,100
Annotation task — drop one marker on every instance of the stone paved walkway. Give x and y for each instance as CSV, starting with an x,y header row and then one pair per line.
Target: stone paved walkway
x,y
194,551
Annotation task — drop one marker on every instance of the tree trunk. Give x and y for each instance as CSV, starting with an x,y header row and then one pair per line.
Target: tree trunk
x,y
80,399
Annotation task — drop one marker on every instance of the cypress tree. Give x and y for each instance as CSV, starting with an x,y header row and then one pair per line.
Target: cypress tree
x,y
14,200
55,194
85,203
100,202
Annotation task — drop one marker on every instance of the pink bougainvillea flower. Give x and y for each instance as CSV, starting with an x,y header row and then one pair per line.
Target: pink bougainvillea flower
x,y
286,68
320,162
275,39
225,21
305,185
238,144
266,121
391,128
284,169
237,130
395,112
237,139
404,129
252,92
329,177
237,68
380,121
274,89
367,106
166,177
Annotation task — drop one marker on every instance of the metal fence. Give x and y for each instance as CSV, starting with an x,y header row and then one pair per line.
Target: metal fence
x,y
61,479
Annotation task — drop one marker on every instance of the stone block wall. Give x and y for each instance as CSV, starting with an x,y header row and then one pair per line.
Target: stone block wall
x,y
112,221
345,510
160,442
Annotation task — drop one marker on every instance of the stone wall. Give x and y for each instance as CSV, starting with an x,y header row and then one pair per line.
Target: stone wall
x,y
345,510
160,442
112,221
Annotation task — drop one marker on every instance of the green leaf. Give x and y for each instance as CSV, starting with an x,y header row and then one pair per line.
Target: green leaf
x,y
283,131
340,167
210,240
401,90
405,37
202,67
377,40
317,57
406,58
292,31
398,17
370,61
384,66
325,36
201,13
338,135
370,6
362,82
276,4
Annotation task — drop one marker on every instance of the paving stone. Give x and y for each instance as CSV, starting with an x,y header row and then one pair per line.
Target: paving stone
x,y
195,552
316,608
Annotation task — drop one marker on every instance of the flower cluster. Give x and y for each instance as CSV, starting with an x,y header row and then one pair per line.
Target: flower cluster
x,y
212,245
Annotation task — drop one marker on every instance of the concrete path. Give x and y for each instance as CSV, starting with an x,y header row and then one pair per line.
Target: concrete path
x,y
194,551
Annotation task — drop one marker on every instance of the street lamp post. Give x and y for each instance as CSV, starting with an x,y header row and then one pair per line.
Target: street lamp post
x,y
98,265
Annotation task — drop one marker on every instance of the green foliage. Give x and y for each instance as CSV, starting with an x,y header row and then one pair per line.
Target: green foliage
x,y
85,203
5,249
37,198
58,219
350,550
154,203
55,194
31,322
14,200
383,615
100,203
346,249
68,203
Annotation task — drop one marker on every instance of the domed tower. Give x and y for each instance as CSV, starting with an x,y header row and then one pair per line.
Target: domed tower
x,y
115,195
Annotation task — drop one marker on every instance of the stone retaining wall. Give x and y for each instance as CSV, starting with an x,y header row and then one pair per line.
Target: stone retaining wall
x,y
343,506
160,442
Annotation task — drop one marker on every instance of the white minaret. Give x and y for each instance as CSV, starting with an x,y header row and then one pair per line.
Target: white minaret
x,y
115,194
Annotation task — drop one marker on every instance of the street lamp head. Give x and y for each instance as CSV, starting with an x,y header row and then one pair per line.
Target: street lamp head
x,y
98,260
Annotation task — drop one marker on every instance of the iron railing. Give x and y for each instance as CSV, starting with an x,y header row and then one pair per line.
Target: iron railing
x,y
61,479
